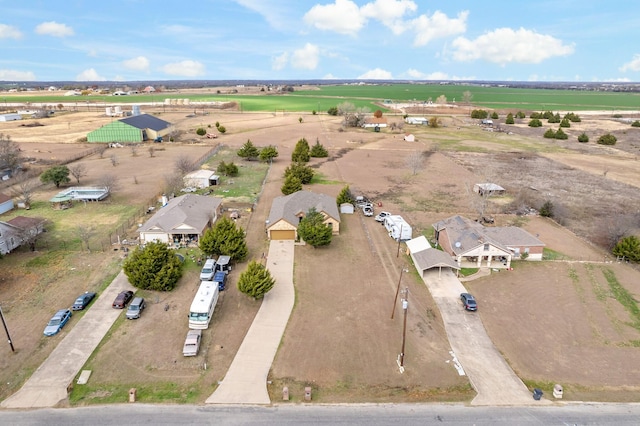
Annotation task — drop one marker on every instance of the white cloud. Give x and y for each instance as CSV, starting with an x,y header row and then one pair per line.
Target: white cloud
x,y
54,29
89,75
376,74
329,77
279,62
438,25
139,63
633,65
7,31
13,75
390,13
505,45
413,74
272,13
343,17
186,68
306,58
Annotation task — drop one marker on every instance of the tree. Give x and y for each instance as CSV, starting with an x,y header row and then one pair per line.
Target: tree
x,y
583,138
550,134
299,170
224,238
494,115
222,129
85,232
635,123
441,100
434,122
479,114
200,131
248,151
318,151
607,139
377,113
184,165
547,209
565,123
467,97
332,111
78,171
10,153
154,267
23,188
227,169
313,231
535,122
291,184
268,153
520,115
345,196
560,134
109,181
415,161
629,248
509,119
256,280
301,151
56,175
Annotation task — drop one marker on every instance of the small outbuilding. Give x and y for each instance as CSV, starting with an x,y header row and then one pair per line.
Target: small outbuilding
x,y
347,208
201,179
483,189
409,137
10,117
116,131
6,203
425,257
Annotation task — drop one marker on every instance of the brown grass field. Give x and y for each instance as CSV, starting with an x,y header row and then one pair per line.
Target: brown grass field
x,y
554,321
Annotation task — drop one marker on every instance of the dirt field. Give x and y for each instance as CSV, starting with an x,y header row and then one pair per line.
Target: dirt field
x,y
341,339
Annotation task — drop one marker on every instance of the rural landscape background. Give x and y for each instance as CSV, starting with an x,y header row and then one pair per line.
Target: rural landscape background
x,y
571,319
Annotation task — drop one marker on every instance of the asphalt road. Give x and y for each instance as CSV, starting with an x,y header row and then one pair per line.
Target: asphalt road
x,y
366,415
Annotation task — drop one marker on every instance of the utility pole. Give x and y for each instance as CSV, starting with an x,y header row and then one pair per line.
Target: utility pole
x,y
399,239
6,330
405,308
395,300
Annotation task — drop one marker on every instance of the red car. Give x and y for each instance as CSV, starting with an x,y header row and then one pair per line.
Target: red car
x,y
122,299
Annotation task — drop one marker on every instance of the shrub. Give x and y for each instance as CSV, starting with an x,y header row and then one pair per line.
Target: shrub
x,y
256,280
635,123
583,138
154,267
509,119
560,134
607,139
547,209
535,122
550,134
201,131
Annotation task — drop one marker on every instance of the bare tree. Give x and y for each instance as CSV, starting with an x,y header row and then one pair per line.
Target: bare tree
x,y
173,183
152,151
134,150
109,182
114,160
467,96
10,153
85,232
102,149
78,171
441,100
184,165
415,162
29,235
24,187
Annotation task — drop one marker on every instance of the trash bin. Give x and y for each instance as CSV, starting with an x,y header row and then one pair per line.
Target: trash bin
x,y
537,394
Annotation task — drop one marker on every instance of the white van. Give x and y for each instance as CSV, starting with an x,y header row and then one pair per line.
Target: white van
x,y
208,270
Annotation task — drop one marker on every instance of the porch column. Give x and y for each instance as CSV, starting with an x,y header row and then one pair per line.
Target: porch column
x,y
509,262
489,261
479,262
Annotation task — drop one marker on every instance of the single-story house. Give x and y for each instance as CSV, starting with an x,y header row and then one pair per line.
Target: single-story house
x,y
483,189
374,122
287,212
425,257
183,219
201,179
19,230
6,203
409,137
10,117
473,245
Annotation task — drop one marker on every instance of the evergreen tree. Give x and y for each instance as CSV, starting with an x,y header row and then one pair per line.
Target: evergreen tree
x,y
629,247
154,267
547,209
313,231
607,139
256,280
583,138
550,134
560,134
268,153
345,196
248,151
299,170
300,153
509,119
224,238
318,151
291,184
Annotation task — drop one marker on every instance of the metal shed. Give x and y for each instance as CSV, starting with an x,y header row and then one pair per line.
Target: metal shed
x,y
116,131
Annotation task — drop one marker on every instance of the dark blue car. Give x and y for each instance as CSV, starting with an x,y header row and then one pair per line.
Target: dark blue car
x,y
220,277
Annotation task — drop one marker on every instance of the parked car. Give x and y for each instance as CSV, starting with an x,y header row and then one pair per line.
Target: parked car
x,y
57,322
83,301
122,299
367,209
192,343
221,278
380,216
135,308
468,302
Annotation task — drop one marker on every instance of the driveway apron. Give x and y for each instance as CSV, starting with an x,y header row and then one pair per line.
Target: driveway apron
x,y
246,379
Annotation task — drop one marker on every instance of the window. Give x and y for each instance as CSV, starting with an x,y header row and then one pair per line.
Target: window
x,y
486,247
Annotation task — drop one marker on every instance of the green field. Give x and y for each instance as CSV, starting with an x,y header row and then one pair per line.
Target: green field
x,y
371,97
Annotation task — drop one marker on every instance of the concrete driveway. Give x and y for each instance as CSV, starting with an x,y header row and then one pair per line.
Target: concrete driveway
x,y
490,375
246,379
48,385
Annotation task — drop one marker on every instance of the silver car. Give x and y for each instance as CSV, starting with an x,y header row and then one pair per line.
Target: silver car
x,y
192,343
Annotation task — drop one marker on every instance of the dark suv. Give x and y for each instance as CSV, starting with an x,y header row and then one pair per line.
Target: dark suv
x,y
468,302
221,278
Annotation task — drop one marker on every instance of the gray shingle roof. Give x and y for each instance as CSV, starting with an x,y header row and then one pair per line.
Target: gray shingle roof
x,y
433,258
190,209
146,121
290,206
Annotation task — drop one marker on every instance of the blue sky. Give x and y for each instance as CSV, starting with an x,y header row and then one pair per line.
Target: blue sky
x,y
128,40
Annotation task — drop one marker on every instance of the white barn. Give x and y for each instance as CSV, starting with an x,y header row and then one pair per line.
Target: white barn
x,y
201,179
10,117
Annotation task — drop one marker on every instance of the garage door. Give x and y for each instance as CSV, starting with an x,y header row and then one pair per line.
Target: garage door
x,y
283,234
